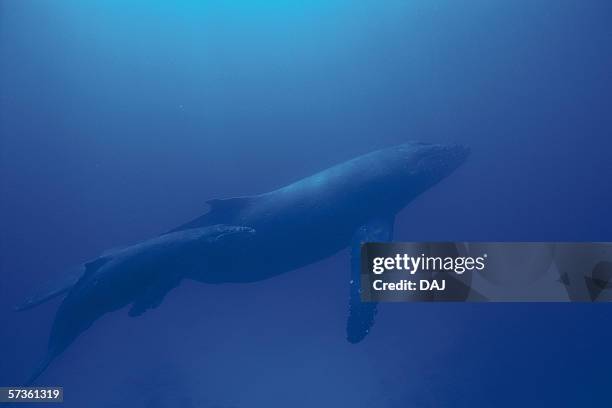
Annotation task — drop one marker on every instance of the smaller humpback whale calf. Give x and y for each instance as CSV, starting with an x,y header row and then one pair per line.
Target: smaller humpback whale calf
x,y
275,232
140,275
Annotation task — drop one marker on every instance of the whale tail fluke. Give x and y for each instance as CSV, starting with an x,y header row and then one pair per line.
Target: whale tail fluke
x,y
40,368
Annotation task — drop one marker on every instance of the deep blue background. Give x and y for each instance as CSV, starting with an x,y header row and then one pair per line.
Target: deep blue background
x,y
120,119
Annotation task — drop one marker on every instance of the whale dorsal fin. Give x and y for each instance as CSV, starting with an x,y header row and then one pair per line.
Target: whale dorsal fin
x,y
54,289
96,264
227,206
221,211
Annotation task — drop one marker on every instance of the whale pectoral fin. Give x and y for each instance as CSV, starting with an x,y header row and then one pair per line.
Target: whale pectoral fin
x,y
153,295
361,314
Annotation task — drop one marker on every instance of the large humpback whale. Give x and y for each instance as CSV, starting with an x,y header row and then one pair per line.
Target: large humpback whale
x,y
301,223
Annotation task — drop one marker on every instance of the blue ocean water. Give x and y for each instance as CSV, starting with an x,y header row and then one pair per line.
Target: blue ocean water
x,y
118,120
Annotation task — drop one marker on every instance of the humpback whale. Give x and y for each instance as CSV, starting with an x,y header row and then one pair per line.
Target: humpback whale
x,y
140,275
276,232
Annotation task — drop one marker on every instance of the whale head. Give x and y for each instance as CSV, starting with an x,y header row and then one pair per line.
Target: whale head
x,y
405,171
433,162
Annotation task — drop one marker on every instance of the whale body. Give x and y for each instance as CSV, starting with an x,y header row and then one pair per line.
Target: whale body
x,y
140,275
318,216
296,225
